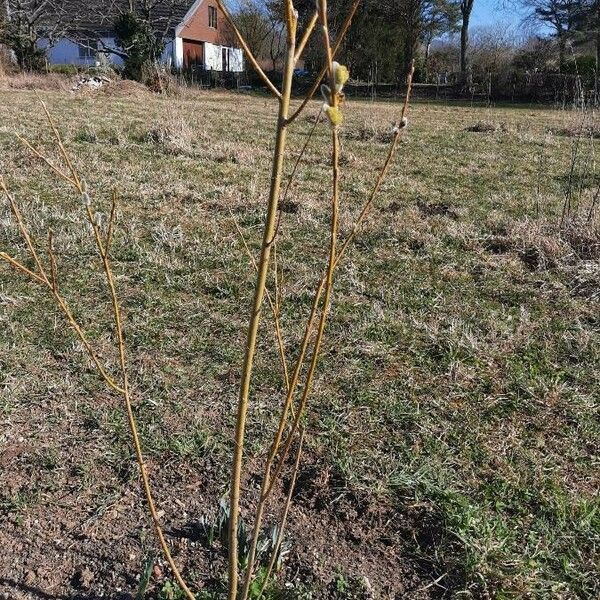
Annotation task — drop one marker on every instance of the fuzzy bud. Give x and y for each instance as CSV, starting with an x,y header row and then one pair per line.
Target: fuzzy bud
x,y
97,219
87,201
83,186
403,123
334,114
340,75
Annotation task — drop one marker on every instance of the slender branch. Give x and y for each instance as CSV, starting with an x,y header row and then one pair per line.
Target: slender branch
x,y
52,259
272,304
76,181
284,516
111,221
132,421
306,36
398,131
377,186
24,233
259,292
103,251
322,73
37,153
251,58
294,170
80,187
43,280
20,267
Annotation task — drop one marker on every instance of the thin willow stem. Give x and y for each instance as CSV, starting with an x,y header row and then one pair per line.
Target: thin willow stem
x,y
43,280
124,391
267,481
340,255
52,259
310,27
294,171
23,230
323,72
284,516
399,129
37,153
272,304
131,420
255,315
251,58
111,221
76,181
20,267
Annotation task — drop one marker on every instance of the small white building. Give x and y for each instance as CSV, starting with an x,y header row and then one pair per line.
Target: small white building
x,y
196,35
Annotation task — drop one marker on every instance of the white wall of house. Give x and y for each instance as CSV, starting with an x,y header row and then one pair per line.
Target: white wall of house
x,y
213,58
177,49
236,60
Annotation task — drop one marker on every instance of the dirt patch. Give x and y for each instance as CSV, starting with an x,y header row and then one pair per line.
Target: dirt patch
x,y
442,209
73,525
488,127
368,132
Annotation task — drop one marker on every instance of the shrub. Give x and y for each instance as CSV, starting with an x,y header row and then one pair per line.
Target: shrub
x,y
143,46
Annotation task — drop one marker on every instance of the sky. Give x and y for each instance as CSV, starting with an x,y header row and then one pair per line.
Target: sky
x,y
494,12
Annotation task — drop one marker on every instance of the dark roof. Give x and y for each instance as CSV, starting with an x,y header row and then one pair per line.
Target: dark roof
x,y
98,16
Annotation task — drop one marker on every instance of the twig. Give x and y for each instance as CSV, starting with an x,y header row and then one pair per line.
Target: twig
x,y
272,304
124,390
286,510
251,58
306,36
37,153
111,221
259,292
52,258
336,49
322,283
23,230
20,267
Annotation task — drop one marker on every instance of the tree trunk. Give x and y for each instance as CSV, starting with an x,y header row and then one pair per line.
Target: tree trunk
x,y
562,47
597,37
464,44
426,59
411,43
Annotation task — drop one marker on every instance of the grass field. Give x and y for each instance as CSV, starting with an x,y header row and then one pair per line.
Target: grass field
x,y
453,441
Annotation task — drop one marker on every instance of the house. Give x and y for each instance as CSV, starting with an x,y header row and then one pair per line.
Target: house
x,y
195,34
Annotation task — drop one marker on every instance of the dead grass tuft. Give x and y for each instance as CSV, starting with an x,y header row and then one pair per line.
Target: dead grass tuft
x,y
484,126
583,238
577,130
369,132
125,88
36,81
173,135
543,245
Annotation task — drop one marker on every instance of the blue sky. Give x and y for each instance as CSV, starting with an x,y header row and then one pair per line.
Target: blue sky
x,y
495,12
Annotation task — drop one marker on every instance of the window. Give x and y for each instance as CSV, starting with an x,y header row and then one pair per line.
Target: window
x,y
212,17
87,49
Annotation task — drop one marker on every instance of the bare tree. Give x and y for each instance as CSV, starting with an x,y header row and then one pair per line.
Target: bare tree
x,y
28,22
466,8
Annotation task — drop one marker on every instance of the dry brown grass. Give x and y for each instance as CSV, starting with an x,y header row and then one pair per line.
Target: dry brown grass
x,y
460,426
37,81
